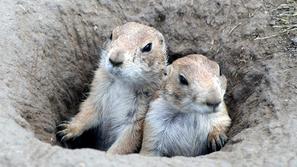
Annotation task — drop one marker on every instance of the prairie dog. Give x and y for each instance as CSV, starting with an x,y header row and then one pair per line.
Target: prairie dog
x,y
130,71
190,115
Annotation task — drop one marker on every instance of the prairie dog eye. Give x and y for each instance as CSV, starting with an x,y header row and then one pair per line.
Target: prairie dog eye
x,y
110,37
183,80
147,48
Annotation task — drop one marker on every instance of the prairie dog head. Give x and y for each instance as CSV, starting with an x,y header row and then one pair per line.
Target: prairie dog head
x,y
195,83
136,53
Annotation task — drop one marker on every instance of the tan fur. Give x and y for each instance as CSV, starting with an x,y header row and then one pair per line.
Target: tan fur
x,y
180,108
120,95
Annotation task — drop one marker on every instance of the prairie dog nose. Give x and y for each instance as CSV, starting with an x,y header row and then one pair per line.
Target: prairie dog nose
x,y
213,99
116,58
115,63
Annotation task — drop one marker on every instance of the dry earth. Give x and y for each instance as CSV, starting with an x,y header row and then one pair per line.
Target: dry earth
x,y
49,49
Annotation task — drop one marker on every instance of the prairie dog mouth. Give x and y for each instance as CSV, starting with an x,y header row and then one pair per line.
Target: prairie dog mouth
x,y
199,108
115,71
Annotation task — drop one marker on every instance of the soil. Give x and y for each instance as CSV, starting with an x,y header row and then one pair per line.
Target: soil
x,y
50,49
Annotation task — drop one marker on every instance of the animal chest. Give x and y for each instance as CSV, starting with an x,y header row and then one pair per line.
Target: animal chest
x,y
183,134
118,106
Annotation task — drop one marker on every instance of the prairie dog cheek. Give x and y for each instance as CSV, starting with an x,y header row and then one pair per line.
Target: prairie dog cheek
x,y
219,87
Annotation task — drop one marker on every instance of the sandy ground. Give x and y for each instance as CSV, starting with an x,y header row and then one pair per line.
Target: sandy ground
x,y
49,49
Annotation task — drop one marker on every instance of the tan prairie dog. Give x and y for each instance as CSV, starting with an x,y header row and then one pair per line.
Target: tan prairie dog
x,y
190,115
130,71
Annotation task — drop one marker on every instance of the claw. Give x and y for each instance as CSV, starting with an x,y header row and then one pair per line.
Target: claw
x,y
64,132
223,138
219,143
65,122
213,145
67,136
64,138
61,132
63,125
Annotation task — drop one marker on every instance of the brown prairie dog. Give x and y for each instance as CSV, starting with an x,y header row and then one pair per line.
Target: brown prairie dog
x,y
130,71
190,115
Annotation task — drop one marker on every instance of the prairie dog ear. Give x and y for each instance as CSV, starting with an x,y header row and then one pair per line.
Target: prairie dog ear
x,y
162,43
168,70
223,81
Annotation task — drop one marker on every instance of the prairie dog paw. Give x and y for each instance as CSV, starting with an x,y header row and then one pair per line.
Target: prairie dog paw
x,y
112,151
69,130
118,149
216,140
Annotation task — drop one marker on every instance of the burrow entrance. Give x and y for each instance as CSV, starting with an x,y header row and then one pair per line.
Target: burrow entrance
x,y
70,53
240,87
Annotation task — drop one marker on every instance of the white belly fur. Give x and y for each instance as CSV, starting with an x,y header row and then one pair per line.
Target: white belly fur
x,y
117,103
175,133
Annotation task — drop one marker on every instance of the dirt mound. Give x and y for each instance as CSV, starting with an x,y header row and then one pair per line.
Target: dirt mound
x,y
49,49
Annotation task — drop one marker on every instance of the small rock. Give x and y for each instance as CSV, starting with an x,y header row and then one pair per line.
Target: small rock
x,y
294,40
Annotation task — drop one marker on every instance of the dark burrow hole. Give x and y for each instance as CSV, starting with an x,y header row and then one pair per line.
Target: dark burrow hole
x,y
247,86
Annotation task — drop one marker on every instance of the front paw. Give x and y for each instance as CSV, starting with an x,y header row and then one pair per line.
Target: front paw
x,y
69,130
216,140
120,149
112,151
